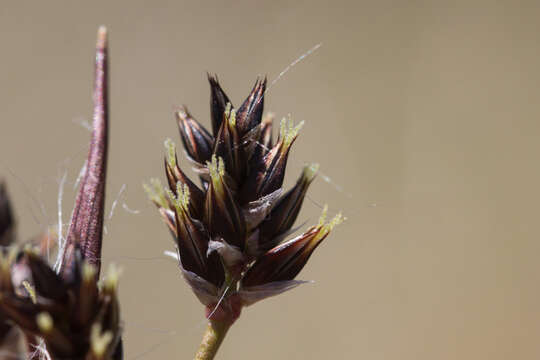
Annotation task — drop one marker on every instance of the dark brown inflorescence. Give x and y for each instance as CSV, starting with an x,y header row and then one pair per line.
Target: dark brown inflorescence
x,y
64,311
230,231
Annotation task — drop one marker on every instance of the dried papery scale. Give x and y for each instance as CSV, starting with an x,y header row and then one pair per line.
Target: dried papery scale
x,y
65,312
230,232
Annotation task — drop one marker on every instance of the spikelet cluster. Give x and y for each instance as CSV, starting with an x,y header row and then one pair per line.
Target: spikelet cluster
x,y
230,231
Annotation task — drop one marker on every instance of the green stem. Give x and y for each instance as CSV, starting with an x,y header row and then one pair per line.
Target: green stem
x,y
212,339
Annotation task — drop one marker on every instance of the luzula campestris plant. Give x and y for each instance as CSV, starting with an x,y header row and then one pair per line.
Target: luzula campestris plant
x,y
230,232
63,310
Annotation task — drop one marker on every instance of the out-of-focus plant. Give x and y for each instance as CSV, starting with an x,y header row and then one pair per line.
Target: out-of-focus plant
x,y
62,310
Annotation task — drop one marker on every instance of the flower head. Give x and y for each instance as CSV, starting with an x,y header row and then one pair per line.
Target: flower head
x,y
230,232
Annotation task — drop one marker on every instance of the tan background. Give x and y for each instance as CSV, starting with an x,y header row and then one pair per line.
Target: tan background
x,y
425,114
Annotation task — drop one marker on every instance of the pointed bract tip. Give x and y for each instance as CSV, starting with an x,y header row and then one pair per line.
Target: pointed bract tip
x,y
101,37
310,171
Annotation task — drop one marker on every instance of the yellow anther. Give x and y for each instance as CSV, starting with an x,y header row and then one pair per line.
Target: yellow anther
x,y
322,219
326,228
185,197
182,195
282,127
228,108
336,220
212,167
156,193
221,166
171,152
232,118
174,200
310,171
44,322
89,272
31,290
216,167
113,274
99,341
288,132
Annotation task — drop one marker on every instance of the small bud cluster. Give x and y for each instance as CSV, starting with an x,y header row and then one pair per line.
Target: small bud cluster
x,y
76,317
230,232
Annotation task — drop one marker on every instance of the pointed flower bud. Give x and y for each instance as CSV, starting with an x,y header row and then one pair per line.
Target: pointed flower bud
x,y
270,173
228,146
218,102
249,114
192,240
175,174
223,215
197,141
285,261
285,212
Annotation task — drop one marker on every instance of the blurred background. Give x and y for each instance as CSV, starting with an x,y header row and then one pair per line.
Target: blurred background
x,y
422,115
